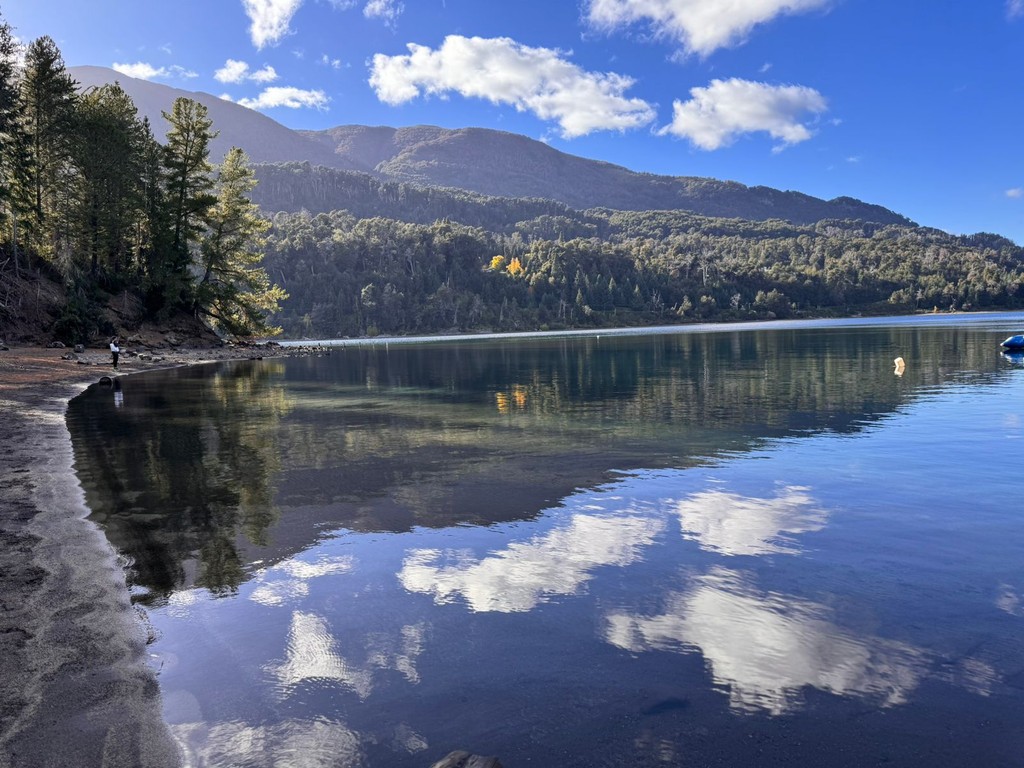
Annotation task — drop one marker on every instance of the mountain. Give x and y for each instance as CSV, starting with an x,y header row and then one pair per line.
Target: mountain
x,y
484,161
509,165
264,140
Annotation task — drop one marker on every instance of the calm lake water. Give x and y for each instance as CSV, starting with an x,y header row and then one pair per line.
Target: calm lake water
x,y
731,548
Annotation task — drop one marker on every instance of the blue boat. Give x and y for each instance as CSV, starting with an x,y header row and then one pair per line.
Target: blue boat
x,y
1014,342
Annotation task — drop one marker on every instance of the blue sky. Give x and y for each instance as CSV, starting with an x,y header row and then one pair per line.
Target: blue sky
x,y
915,105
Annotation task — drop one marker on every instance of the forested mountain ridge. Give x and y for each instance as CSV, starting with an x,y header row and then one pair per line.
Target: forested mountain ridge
x,y
506,164
352,275
481,160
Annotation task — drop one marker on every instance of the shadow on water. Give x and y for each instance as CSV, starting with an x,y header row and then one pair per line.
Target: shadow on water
x,y
199,474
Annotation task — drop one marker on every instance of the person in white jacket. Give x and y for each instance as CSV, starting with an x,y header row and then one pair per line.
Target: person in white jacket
x,y
115,350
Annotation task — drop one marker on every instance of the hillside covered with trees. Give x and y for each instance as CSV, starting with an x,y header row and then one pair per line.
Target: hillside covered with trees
x,y
352,275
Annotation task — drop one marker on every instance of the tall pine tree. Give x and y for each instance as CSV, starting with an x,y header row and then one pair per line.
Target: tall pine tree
x,y
188,186
49,99
234,292
110,153
13,146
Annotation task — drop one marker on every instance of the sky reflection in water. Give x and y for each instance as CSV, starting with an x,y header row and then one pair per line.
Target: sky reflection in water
x,y
746,548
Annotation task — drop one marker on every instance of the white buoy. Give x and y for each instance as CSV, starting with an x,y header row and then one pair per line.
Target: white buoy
x,y
900,366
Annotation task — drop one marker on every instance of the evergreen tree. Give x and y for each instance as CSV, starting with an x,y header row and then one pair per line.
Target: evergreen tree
x,y
154,230
49,97
234,292
110,157
13,144
188,188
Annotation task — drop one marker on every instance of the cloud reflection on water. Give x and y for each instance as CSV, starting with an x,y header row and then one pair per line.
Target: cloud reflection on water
x,y
731,524
272,589
312,655
522,575
765,647
293,743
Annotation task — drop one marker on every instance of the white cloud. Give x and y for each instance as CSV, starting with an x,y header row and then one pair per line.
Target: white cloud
x,y
1015,192
536,80
701,26
327,61
715,115
387,11
235,71
141,70
270,19
287,96
265,75
144,71
1014,8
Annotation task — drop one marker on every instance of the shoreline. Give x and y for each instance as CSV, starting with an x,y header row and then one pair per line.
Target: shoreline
x,y
75,688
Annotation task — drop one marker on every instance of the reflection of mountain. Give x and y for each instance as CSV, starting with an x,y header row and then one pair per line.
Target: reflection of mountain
x,y
556,563
205,471
765,648
739,525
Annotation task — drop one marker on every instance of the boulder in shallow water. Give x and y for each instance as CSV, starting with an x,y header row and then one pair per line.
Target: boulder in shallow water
x,y
460,758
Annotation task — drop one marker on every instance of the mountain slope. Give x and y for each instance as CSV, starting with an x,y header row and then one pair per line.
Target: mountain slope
x,y
485,161
264,140
504,164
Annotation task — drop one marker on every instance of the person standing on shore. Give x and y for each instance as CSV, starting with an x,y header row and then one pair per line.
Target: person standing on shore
x,y
115,350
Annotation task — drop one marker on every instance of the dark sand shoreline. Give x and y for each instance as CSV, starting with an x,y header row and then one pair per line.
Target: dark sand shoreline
x,y
75,689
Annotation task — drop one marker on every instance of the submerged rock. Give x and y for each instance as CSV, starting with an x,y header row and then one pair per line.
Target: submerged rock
x,y
463,759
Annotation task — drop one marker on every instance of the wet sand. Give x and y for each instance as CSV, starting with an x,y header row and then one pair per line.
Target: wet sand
x,y
75,689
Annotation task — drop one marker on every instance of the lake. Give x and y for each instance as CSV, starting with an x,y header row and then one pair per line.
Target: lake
x,y
740,546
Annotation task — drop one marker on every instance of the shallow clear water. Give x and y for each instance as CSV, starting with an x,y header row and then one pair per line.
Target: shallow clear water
x,y
739,548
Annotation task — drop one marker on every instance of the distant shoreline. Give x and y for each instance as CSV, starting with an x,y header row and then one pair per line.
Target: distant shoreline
x,y
928,318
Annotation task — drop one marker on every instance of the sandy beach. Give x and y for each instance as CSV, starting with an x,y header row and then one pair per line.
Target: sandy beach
x,y
75,689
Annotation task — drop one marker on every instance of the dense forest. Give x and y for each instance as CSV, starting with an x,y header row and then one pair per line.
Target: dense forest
x,y
435,260
91,199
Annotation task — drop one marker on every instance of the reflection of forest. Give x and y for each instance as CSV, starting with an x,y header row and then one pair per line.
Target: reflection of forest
x,y
180,468
190,476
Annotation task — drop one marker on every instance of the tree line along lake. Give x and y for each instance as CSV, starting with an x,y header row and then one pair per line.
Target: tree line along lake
x,y
740,546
